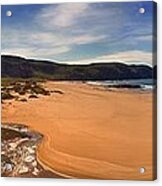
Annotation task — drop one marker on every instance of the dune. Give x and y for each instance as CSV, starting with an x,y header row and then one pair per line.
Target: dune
x,y
90,132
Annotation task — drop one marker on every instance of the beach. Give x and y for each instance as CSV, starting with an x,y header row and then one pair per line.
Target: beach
x,y
89,132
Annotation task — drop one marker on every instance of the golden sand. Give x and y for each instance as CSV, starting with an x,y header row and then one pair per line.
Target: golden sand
x,y
90,132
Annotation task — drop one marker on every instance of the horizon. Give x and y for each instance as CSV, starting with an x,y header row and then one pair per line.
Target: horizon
x,y
80,33
64,63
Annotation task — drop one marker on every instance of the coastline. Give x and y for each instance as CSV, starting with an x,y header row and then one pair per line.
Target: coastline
x,y
76,132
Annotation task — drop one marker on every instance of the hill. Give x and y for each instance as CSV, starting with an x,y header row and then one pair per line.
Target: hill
x,y
13,66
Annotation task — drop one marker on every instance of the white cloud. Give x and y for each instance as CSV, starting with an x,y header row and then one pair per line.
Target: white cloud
x,y
24,52
59,28
45,44
52,52
63,15
35,52
128,57
49,43
84,39
30,44
63,40
80,18
145,38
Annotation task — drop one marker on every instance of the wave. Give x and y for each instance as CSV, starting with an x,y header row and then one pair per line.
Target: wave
x,y
143,84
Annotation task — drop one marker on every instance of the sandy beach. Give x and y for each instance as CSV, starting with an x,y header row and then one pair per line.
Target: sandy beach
x,y
90,132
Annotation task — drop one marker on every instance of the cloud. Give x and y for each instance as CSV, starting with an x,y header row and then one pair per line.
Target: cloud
x,y
24,52
48,45
76,30
128,57
42,44
145,37
79,18
62,40
41,38
35,52
31,44
64,15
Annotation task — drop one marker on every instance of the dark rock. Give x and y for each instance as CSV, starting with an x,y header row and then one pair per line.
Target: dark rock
x,y
6,95
57,91
23,99
125,86
33,96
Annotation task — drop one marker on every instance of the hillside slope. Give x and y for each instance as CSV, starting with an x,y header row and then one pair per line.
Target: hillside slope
x,y
13,66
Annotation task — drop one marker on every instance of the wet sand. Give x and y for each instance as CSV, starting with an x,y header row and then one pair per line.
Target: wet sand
x,y
90,132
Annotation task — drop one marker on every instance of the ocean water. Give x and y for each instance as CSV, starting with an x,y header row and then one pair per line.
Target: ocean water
x,y
145,84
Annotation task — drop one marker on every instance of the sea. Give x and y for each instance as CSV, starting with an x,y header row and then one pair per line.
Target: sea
x,y
144,84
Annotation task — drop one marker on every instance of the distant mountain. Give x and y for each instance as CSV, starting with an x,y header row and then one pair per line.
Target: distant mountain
x,y
19,67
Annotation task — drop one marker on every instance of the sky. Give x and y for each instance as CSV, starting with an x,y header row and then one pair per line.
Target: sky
x,y
79,33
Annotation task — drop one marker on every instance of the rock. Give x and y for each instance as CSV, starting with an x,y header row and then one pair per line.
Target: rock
x,y
13,145
22,92
30,150
33,96
2,152
6,95
17,88
16,98
36,171
23,129
40,90
23,99
8,167
125,86
23,170
57,91
29,159
34,163
46,93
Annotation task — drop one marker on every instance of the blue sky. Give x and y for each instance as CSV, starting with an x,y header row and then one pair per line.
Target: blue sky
x,y
79,33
